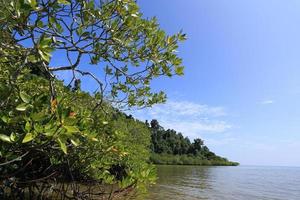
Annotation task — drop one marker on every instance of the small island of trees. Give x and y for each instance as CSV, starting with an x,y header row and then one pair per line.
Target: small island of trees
x,y
172,148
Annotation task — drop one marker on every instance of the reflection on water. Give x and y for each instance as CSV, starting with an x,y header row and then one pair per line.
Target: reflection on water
x,y
233,183
180,182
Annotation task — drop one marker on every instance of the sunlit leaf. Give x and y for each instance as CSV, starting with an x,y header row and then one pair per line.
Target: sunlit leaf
x,y
25,97
75,142
179,70
27,126
62,145
5,138
63,2
32,3
13,137
72,129
22,107
5,119
28,137
38,116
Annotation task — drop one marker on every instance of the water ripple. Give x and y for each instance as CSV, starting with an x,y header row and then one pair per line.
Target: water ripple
x,y
233,183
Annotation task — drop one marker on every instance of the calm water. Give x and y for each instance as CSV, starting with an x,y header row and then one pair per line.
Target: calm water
x,y
232,183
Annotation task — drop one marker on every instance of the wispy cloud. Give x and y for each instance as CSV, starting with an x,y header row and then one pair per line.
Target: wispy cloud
x,y
266,102
190,118
186,108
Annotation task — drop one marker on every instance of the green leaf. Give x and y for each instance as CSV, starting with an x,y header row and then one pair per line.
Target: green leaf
x,y
69,121
25,98
51,20
94,139
5,119
63,2
179,70
125,182
40,24
62,145
45,41
27,126
108,70
59,28
13,137
38,128
32,3
32,58
5,138
72,129
22,107
28,137
79,31
75,142
45,56
38,116
182,37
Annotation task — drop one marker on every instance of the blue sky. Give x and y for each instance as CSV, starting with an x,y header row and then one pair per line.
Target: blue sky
x,y
241,89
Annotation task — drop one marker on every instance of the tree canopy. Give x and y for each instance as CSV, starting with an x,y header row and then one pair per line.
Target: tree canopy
x,y
171,147
107,40
52,131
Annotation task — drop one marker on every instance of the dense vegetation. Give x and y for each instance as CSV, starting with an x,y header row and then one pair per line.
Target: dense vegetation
x,y
69,143
51,132
56,139
170,147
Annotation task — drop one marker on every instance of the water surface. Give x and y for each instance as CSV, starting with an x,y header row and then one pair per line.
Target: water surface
x,y
233,183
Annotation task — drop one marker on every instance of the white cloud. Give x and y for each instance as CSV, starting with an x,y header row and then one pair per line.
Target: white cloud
x,y
193,129
186,108
266,102
223,142
192,119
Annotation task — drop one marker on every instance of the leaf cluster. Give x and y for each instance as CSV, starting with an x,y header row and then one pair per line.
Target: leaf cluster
x,y
107,41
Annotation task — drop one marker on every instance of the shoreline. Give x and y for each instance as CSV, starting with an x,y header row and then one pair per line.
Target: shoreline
x,y
169,159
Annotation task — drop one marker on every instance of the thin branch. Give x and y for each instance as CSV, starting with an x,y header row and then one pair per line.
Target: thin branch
x,y
70,67
15,160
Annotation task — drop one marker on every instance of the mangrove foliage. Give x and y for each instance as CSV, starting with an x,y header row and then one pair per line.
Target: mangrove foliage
x,y
51,131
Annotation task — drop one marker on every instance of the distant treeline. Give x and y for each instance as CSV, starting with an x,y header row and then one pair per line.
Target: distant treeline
x,y
170,147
